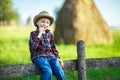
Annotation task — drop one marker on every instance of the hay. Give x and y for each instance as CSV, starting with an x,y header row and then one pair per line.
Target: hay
x,y
81,20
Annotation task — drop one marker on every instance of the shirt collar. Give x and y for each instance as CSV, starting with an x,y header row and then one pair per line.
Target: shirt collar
x,y
46,31
37,30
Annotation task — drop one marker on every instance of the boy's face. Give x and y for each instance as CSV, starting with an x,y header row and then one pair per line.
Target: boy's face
x,y
43,22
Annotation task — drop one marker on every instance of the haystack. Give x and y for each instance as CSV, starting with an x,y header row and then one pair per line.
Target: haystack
x,y
81,20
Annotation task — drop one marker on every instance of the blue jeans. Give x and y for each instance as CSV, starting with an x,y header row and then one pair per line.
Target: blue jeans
x,y
48,67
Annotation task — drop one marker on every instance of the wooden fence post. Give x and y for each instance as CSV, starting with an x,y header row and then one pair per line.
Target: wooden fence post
x,y
81,60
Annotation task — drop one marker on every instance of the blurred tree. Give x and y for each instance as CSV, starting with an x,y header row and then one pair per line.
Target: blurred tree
x,y
7,13
28,22
81,20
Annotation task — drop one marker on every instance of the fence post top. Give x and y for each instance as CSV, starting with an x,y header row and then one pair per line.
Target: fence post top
x,y
80,42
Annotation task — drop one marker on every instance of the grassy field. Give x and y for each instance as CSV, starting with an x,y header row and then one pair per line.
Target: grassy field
x,y
14,50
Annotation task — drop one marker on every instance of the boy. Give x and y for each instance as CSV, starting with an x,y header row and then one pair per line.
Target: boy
x,y
43,50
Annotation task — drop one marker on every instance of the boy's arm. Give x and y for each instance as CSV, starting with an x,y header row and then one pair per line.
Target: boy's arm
x,y
53,46
34,40
56,52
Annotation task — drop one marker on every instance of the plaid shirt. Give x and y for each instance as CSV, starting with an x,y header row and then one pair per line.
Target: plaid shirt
x,y
43,46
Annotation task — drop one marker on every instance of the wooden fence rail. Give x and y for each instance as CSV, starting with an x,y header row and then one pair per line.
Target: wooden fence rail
x,y
81,65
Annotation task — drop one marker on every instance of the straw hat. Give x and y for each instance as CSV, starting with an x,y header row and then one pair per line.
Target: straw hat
x,y
43,14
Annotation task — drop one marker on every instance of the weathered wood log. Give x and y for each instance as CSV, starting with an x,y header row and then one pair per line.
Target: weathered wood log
x,y
70,65
21,70
81,61
18,70
97,63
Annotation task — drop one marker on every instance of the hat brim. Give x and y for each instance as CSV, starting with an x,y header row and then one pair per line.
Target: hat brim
x,y
37,17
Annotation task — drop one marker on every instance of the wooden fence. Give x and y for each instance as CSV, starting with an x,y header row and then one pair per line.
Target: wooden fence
x,y
80,65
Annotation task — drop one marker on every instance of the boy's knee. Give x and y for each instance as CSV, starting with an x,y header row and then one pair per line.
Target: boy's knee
x,y
60,73
48,71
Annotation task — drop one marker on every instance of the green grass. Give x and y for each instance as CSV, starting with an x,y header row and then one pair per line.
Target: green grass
x,y
14,45
14,50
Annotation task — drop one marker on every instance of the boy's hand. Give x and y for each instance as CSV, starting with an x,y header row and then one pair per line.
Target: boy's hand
x,y
61,63
42,30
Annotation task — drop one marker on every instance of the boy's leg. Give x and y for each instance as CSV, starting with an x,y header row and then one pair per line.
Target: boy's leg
x,y
57,69
46,71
